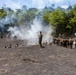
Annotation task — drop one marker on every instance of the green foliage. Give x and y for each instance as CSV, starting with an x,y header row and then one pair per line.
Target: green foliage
x,y
62,20
57,17
47,17
10,12
2,13
26,16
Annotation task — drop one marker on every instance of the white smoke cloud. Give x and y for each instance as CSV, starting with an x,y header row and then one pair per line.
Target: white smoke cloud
x,y
31,34
43,3
16,4
39,4
64,6
55,1
12,4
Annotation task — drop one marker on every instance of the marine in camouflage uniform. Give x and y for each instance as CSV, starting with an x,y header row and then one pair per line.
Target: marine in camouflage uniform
x,y
40,39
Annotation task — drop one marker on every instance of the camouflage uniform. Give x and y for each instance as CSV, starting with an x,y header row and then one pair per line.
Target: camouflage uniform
x,y
71,43
40,39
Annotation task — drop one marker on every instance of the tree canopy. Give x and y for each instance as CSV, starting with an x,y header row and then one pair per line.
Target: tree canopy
x,y
62,20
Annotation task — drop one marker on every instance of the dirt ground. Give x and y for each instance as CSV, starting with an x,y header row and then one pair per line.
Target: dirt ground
x,y
33,60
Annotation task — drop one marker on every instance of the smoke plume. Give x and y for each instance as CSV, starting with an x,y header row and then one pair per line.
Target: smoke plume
x,y
30,34
22,30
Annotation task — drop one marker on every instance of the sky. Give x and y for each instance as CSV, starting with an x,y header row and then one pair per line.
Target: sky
x,y
17,4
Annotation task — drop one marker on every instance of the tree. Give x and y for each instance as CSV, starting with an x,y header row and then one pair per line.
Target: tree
x,y
72,21
46,17
2,13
